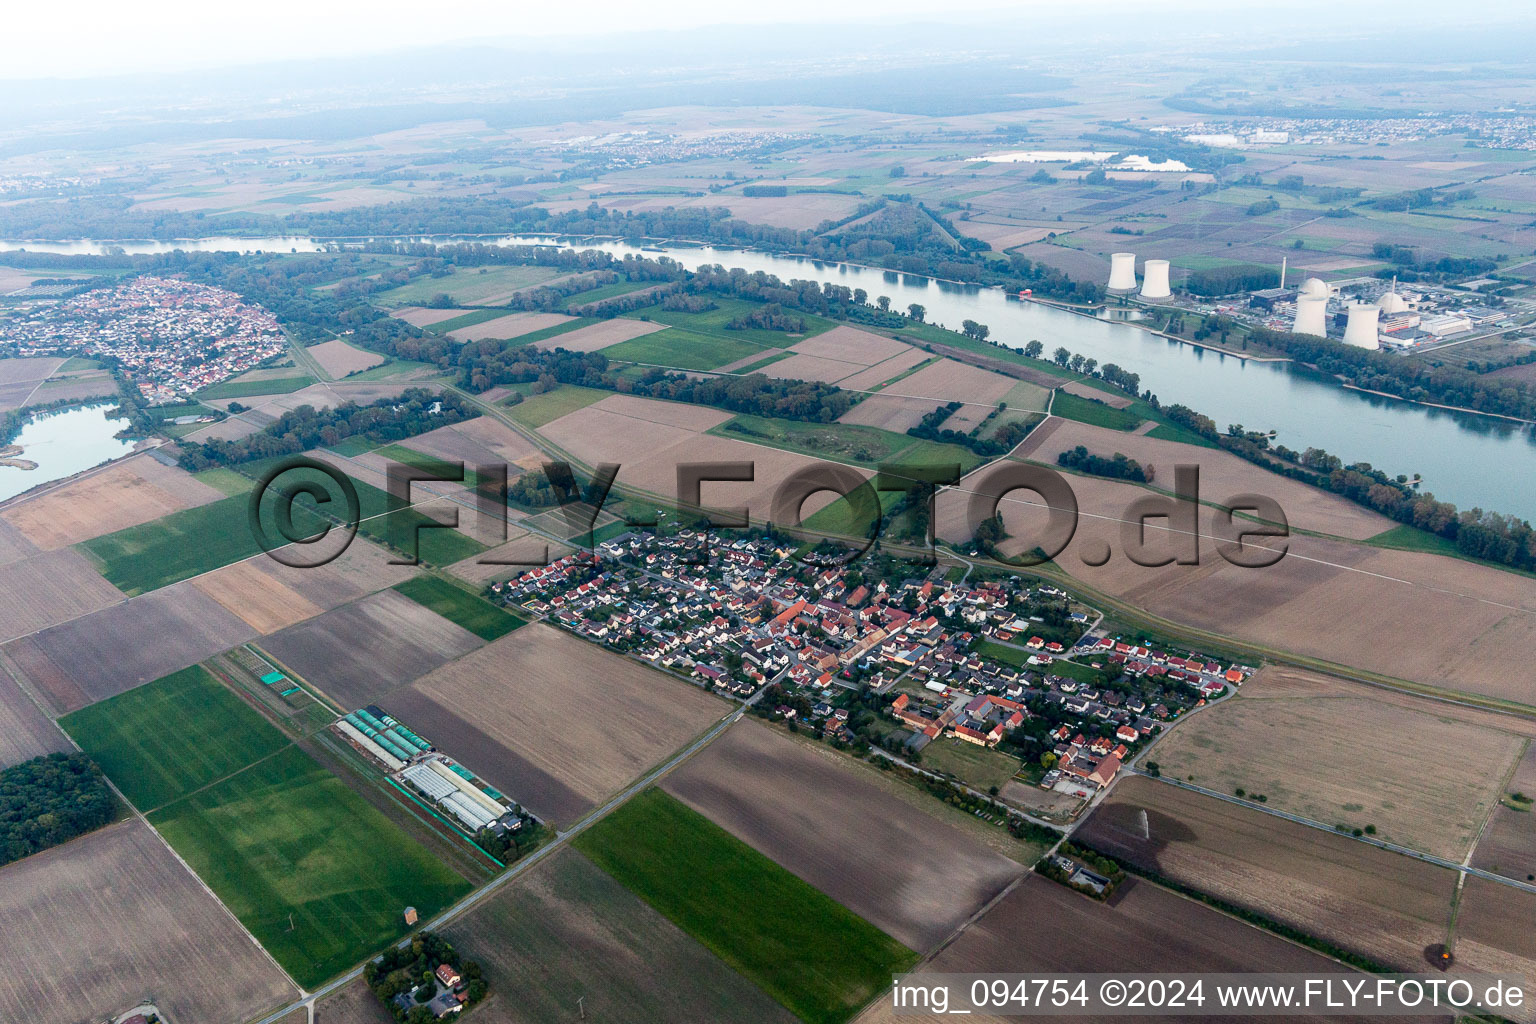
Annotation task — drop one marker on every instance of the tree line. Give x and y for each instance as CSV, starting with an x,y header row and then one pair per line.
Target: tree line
x,y
416,411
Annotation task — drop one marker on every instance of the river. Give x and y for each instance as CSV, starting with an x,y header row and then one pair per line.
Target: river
x,y
62,444
1467,459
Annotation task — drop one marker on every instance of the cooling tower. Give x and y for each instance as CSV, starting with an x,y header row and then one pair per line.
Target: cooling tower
x,y
1154,280
1122,272
1311,315
1360,331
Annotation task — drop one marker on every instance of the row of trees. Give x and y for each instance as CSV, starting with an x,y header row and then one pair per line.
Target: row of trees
x,y
50,800
1118,467
416,411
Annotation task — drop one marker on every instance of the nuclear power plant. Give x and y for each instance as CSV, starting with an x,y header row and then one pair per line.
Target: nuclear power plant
x,y
1360,330
1154,280
1311,309
1122,272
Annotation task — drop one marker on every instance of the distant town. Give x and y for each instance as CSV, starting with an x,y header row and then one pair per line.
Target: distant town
x,y
171,337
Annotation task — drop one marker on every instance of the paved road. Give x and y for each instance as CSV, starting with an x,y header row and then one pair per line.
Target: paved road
x,y
1368,840
469,902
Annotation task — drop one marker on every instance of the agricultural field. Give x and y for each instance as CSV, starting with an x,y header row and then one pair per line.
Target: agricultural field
x,y
1494,934
1145,929
126,645
270,596
356,653
1348,758
935,384
712,322
569,932
317,874
684,349
839,442
165,739
421,316
468,286
600,335
874,854
537,410
510,707
650,438
1508,846
1222,475
164,551
339,359
505,328
298,381
456,604
1369,901
1338,601
50,588
815,957
95,924
25,732
129,492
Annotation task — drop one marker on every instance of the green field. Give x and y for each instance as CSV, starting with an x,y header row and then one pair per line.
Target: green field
x,y
318,875
843,442
454,603
245,389
163,740
555,331
809,952
690,350
537,410
197,540
977,767
760,364
175,547
468,286
607,291
470,319
1098,414
712,322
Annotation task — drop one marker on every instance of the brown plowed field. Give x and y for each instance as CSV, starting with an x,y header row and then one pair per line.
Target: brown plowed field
x,y
910,875
1494,934
25,732
900,406
601,335
14,546
420,316
514,325
851,345
1110,398
1043,927
124,494
352,1004
1355,760
48,589
96,925
801,366
339,359
1426,618
888,412
1373,902
567,931
650,439
553,721
265,604
1508,847
1222,475
359,652
126,645
883,371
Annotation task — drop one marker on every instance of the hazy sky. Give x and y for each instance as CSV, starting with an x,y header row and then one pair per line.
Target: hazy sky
x,y
94,37
101,37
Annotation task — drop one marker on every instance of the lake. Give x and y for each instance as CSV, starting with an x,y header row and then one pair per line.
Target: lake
x,y
1464,458
62,444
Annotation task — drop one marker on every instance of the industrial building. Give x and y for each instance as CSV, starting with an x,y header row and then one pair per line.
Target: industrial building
x,y
410,760
1122,272
1154,280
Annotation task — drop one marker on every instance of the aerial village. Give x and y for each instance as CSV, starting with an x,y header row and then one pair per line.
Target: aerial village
x,y
171,337
994,661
